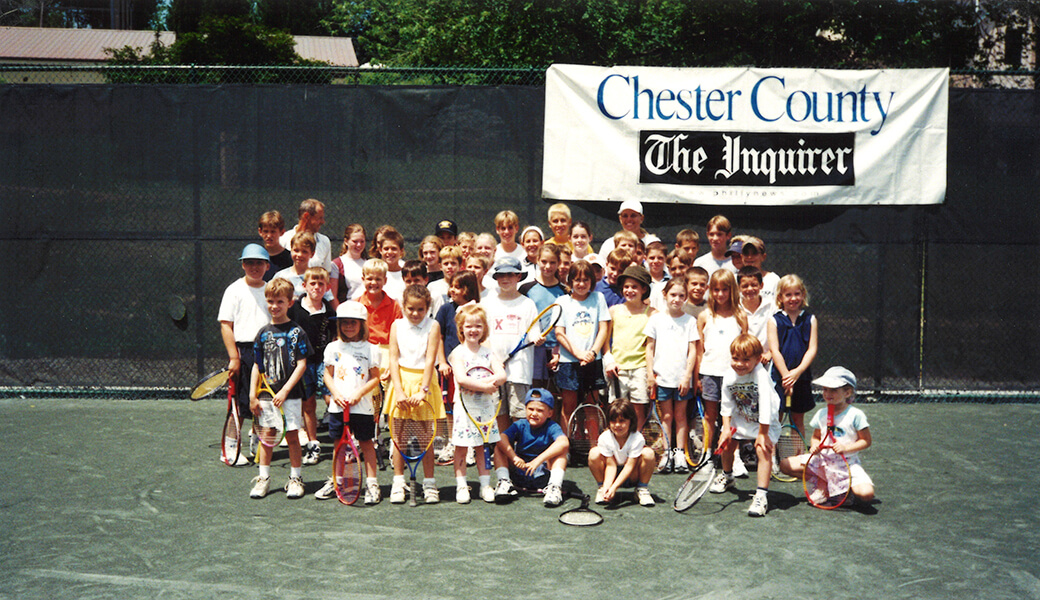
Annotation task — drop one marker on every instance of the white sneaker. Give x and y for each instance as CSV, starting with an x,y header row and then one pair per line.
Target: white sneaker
x,y
553,496
759,506
471,456
644,496
487,493
253,441
261,485
397,493
431,495
739,470
327,491
294,488
446,454
311,453
600,495
722,483
679,461
504,491
241,461
372,494
462,494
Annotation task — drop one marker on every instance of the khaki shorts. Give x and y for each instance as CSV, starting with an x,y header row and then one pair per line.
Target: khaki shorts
x,y
513,396
633,385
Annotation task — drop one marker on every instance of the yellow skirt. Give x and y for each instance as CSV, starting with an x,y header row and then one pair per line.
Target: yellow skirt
x,y
411,382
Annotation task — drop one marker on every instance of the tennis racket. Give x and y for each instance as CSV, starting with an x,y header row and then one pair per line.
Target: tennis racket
x,y
412,430
443,438
586,423
582,516
826,479
269,426
653,430
481,408
790,444
700,479
346,465
540,327
698,443
209,384
230,440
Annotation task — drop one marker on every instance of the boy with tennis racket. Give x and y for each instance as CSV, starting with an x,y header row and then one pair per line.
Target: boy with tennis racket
x,y
242,312
279,354
750,410
851,431
533,452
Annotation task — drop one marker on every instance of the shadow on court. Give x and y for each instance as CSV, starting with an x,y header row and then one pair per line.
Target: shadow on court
x,y
127,499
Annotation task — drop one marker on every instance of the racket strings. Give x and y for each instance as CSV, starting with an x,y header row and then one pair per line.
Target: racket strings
x,y
412,437
346,473
827,479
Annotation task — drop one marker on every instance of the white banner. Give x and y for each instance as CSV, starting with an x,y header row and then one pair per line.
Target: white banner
x,y
743,136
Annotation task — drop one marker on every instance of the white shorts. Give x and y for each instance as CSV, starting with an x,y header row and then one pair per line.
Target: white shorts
x,y
859,476
292,408
633,385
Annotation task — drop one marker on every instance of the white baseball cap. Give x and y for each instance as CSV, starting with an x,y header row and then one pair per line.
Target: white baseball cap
x,y
836,377
352,310
631,205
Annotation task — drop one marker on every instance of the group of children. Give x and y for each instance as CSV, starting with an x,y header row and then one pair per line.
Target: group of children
x,y
663,326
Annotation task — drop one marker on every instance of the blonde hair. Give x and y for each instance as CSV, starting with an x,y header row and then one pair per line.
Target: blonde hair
x,y
465,312
624,234
466,236
791,281
305,239
506,217
559,209
374,266
451,253
725,278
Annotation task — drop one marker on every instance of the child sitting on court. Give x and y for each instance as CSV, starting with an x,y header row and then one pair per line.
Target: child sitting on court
x,y
413,349
533,451
751,406
851,430
314,315
279,354
471,322
621,456
351,375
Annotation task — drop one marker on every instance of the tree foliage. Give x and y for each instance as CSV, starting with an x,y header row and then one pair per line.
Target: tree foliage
x,y
95,14
804,33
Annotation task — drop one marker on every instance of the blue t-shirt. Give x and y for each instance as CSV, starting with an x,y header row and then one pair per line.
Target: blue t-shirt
x,y
529,443
611,294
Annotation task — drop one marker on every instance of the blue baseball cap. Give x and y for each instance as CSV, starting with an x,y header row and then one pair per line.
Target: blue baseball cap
x,y
255,252
544,396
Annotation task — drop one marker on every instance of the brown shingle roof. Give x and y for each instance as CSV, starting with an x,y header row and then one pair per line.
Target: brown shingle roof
x,y
88,45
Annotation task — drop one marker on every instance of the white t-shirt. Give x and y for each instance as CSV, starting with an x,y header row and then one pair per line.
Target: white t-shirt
x,y
758,321
322,249
709,264
672,337
246,308
847,425
351,363
508,320
352,273
608,446
412,342
518,253
770,283
718,334
751,400
289,274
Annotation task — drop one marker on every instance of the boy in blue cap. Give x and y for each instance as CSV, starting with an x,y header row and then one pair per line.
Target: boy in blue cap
x,y
534,451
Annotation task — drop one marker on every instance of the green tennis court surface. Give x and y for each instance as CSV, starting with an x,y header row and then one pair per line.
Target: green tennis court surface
x,y
109,499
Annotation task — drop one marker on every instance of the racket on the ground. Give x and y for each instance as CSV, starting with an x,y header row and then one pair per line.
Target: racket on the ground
x,y
412,430
790,444
346,465
230,437
481,408
269,426
540,327
826,479
586,423
209,384
582,516
700,479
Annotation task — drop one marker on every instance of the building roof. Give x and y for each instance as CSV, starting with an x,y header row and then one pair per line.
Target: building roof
x,y
32,44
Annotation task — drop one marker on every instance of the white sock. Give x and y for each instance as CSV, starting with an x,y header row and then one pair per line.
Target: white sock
x,y
399,480
460,481
295,471
429,482
265,470
761,492
556,477
502,472
485,480
370,481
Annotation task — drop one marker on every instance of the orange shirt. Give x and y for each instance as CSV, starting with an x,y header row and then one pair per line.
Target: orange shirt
x,y
380,317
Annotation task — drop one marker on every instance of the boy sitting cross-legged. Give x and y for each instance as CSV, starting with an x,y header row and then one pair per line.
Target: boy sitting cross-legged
x,y
533,451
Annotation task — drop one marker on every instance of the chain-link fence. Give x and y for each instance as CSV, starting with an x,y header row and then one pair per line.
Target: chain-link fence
x,y
125,205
